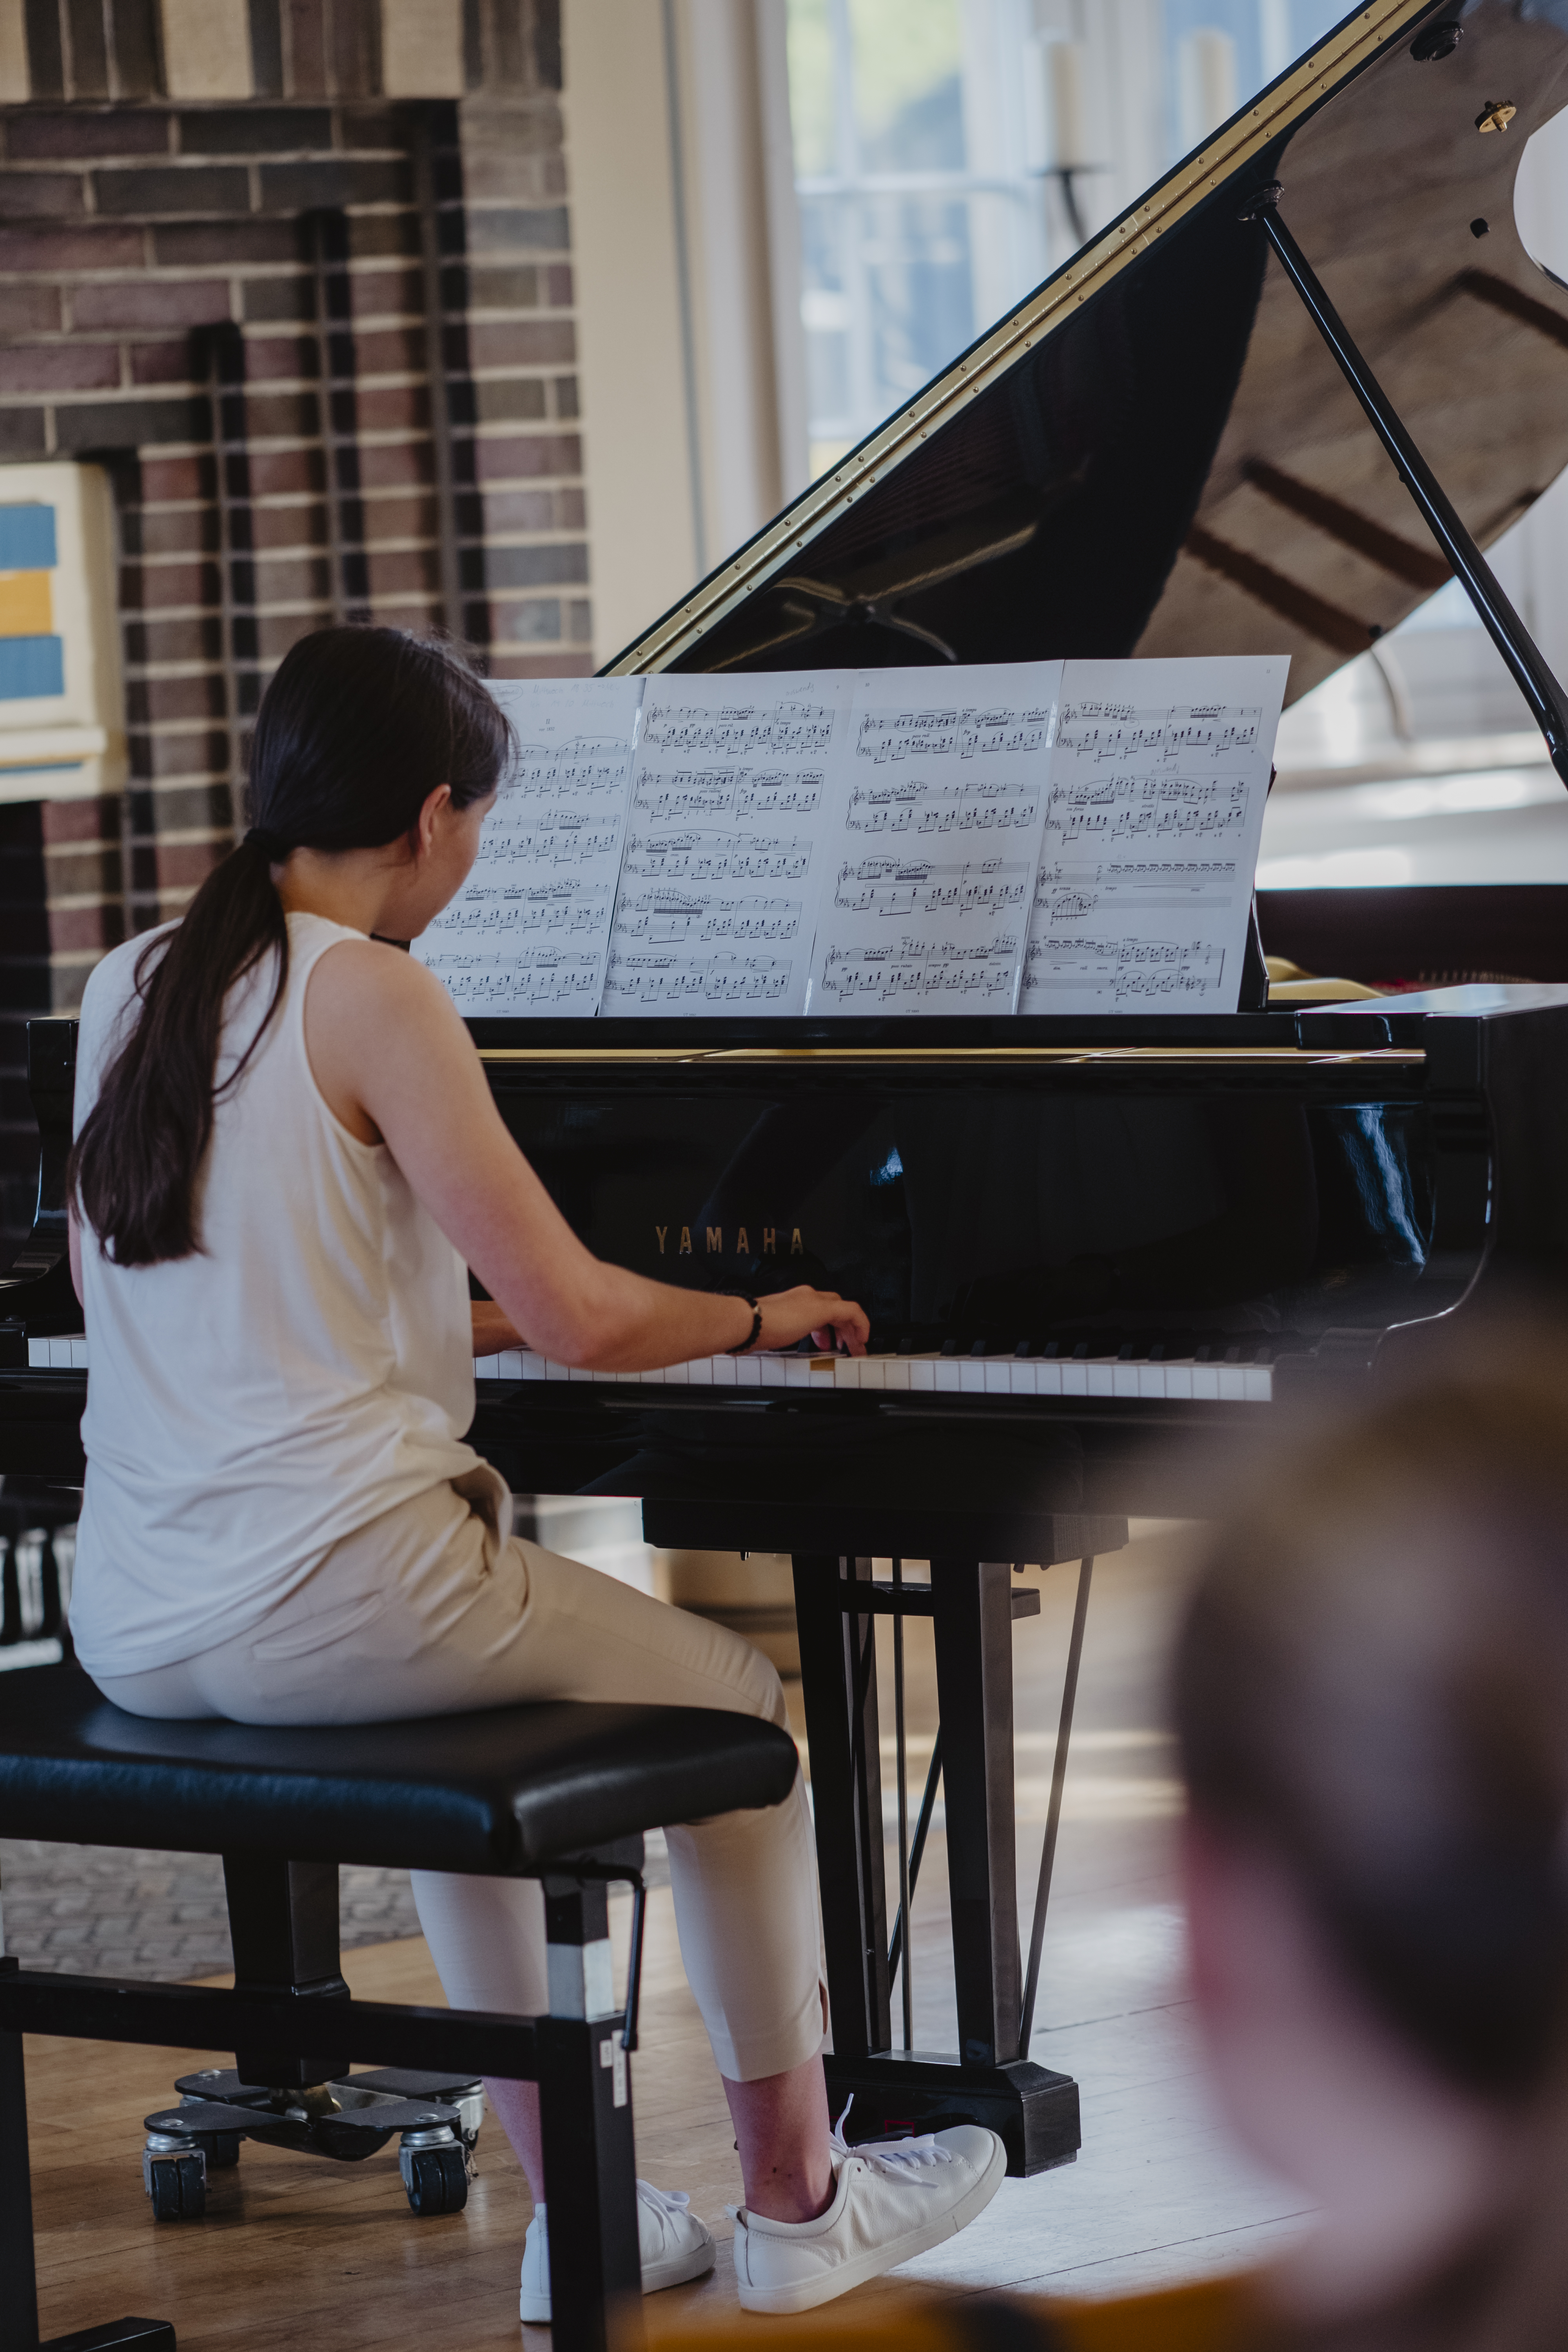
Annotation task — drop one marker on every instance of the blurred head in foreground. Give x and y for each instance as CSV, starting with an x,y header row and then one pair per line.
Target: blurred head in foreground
x,y
1372,1703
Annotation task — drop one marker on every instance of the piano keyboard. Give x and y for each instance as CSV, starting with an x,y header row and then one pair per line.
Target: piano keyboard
x,y
69,1355
999,1376
1183,1379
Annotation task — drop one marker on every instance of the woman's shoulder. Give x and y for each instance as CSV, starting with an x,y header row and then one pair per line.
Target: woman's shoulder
x,y
112,984
369,973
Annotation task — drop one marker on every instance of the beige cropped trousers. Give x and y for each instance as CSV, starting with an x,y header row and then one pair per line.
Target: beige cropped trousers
x,y
434,1609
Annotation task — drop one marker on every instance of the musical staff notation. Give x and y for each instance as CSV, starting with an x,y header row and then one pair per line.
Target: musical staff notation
x,y
1156,808
730,799
1039,836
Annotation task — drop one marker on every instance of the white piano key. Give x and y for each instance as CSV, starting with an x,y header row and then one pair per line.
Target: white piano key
x,y
1259,1384
676,1376
896,1372
723,1369
1206,1384
1124,1379
487,1368
923,1372
998,1373
949,1374
552,1370
700,1372
970,1376
1232,1384
1179,1380
37,1355
797,1371
1101,1379
1075,1380
580,1373
748,1372
823,1376
873,1370
1151,1381
511,1363
847,1371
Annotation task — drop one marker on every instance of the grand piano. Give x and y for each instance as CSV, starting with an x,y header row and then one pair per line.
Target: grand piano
x,y
1300,385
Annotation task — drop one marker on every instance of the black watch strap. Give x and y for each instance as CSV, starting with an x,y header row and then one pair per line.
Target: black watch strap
x,y
755,1333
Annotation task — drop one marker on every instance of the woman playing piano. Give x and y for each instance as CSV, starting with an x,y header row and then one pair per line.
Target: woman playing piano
x,y
287,1157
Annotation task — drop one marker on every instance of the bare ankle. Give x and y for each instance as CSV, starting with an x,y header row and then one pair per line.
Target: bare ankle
x,y
792,2201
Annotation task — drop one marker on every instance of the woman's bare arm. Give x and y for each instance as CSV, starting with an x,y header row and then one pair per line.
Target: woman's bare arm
x,y
396,1063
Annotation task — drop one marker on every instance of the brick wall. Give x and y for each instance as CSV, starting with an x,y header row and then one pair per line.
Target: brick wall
x,y
150,253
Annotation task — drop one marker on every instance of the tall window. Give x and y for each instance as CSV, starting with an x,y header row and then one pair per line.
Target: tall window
x,y
948,153
1219,52
920,220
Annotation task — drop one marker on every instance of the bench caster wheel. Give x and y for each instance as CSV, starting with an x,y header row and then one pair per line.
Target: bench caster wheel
x,y
434,2170
177,2186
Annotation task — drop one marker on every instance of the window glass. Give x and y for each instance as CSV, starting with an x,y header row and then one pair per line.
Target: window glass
x,y
930,138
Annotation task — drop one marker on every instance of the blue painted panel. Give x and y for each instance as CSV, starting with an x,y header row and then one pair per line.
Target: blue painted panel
x,y
28,539
30,666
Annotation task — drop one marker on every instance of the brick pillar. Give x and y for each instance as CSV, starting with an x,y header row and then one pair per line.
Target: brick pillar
x,y
127,235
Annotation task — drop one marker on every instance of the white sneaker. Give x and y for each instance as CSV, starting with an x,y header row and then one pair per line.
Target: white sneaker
x,y
673,2245
893,2198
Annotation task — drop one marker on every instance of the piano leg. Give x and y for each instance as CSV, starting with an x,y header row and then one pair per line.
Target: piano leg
x,y
838,1683
972,1613
895,2091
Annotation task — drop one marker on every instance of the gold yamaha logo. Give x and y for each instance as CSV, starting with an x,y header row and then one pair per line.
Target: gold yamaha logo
x,y
713,1236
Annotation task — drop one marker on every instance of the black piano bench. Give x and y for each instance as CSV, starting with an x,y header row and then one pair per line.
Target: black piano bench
x,y
561,1794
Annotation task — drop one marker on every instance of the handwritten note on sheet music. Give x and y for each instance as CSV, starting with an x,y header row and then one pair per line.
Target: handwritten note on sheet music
x,y
529,931
730,802
935,837
1158,776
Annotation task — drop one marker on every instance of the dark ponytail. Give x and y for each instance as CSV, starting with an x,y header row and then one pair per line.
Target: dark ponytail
x,y
357,729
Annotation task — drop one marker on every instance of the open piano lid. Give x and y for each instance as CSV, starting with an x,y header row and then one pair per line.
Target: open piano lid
x,y
1155,453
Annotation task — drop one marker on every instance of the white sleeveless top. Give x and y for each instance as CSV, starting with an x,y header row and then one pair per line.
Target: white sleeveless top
x,y
311,1367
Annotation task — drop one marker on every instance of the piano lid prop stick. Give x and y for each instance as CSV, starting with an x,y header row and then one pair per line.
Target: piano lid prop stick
x,y
1531,672
917,1851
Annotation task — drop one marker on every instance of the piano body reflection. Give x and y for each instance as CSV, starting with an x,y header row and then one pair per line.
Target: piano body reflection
x,y
1098,1254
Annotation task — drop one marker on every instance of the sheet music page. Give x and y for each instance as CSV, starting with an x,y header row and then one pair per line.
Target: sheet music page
x,y
530,930
722,869
1158,777
936,838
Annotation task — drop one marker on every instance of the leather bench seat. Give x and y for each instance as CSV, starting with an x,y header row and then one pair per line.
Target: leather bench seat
x,y
496,1793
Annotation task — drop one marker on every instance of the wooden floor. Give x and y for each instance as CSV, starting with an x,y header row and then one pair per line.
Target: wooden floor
x,y
290,2246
